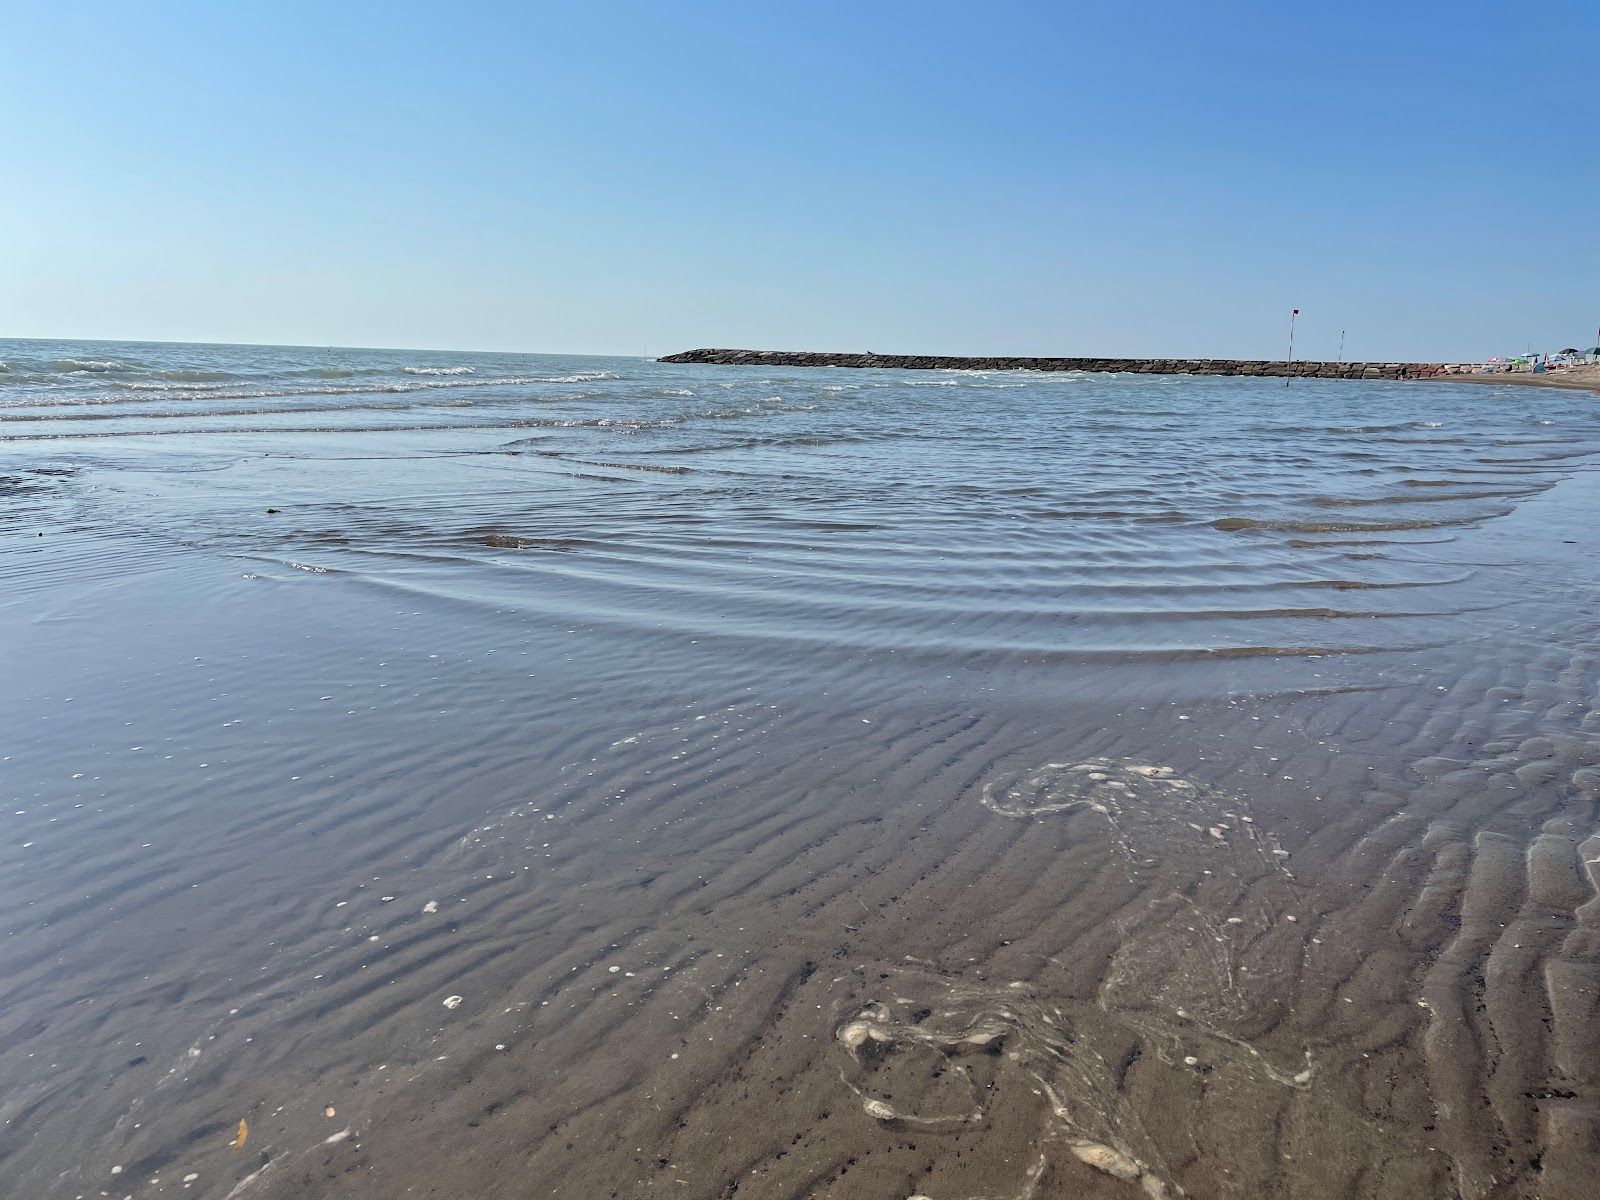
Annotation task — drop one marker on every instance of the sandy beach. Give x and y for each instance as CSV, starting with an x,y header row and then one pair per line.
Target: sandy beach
x,y
1585,377
826,784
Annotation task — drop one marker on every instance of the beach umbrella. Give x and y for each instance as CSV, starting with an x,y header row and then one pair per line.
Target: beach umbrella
x,y
1572,350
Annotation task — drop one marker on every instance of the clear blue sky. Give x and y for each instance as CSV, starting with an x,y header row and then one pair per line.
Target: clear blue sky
x,y
1007,177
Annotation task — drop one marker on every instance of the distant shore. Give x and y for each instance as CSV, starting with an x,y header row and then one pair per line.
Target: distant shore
x,y
1581,378
1137,366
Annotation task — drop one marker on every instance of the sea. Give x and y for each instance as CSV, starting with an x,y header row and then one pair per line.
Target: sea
x,y
525,774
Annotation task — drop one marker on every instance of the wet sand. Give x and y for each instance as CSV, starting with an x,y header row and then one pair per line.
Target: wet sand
x,y
441,896
1337,944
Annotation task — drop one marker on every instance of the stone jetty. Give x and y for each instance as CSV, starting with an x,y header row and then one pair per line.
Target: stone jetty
x,y
1138,366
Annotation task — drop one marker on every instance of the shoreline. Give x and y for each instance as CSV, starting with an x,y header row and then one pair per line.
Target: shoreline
x,y
1582,379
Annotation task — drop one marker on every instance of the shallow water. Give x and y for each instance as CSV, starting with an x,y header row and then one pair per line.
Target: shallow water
x,y
718,712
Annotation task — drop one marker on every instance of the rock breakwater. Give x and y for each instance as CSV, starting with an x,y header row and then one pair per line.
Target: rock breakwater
x,y
1140,366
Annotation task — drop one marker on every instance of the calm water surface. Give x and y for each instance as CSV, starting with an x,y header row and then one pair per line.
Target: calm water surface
x,y
943,513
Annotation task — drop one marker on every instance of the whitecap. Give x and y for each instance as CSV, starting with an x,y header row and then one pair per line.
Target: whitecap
x,y
244,392
176,385
440,370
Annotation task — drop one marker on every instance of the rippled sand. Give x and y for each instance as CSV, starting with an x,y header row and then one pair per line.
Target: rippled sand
x,y
807,819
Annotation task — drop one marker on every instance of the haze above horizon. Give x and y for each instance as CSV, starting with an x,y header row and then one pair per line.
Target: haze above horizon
x,y
1031,179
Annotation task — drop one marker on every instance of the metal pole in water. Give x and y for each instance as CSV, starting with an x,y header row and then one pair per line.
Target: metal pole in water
x,y
1341,345
1289,362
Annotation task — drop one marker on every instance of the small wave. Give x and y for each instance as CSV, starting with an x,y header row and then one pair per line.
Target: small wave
x,y
675,392
77,366
1242,524
195,376
1434,498
509,541
242,391
624,466
223,414
440,370
180,381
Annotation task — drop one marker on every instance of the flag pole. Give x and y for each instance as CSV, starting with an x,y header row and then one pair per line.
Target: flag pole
x,y
1289,362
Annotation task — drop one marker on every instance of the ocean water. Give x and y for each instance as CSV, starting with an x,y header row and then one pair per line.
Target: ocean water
x,y
952,513
741,745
